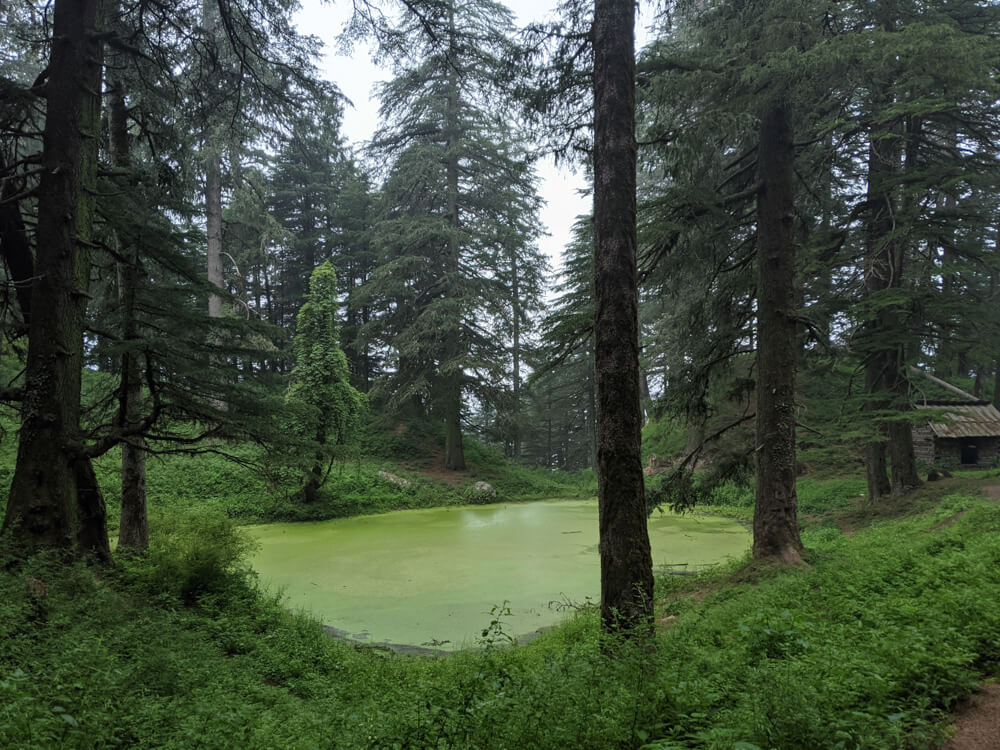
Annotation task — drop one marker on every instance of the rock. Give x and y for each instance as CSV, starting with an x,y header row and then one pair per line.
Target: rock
x,y
482,491
398,481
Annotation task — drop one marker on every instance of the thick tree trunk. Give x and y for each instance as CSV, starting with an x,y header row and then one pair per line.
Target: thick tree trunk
x,y
626,564
902,456
53,502
876,464
886,365
775,520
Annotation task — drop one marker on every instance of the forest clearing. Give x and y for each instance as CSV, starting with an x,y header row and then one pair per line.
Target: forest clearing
x,y
306,442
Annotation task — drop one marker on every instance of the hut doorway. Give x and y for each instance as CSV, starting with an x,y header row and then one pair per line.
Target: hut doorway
x,y
970,453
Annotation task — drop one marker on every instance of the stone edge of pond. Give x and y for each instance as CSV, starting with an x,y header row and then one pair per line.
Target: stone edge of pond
x,y
408,650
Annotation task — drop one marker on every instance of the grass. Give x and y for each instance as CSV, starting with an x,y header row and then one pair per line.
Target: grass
x,y
238,481
868,647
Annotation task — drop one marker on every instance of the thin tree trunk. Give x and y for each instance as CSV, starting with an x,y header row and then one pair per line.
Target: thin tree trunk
x,y
515,291
626,563
454,451
591,420
133,530
213,186
775,520
14,247
902,457
50,503
213,229
883,159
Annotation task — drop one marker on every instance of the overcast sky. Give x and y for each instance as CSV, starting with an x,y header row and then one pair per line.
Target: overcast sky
x,y
357,75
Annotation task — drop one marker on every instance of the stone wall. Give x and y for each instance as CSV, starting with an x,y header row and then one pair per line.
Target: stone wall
x,y
947,452
923,444
989,451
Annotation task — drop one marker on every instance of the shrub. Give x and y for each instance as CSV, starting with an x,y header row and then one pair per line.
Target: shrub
x,y
192,555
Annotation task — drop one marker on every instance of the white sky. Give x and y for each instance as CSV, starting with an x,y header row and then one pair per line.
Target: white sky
x,y
357,75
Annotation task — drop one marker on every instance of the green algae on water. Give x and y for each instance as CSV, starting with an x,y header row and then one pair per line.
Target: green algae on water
x,y
432,577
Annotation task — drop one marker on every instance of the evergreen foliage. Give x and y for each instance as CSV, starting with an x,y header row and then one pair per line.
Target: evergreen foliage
x,y
455,232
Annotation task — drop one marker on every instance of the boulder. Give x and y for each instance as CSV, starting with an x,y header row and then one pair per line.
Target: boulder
x,y
482,491
398,481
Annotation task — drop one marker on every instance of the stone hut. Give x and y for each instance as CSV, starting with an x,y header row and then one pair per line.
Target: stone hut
x,y
966,434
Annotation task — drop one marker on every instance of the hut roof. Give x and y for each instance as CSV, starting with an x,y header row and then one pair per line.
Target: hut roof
x,y
966,420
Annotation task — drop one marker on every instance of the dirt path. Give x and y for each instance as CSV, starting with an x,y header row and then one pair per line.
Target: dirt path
x,y
977,725
992,491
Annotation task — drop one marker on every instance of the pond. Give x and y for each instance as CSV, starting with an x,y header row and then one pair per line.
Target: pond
x,y
431,577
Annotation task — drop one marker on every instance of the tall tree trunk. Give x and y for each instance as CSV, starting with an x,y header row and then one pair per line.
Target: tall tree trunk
x,y
133,529
626,563
454,451
213,229
591,419
775,519
883,160
899,430
902,456
212,154
515,291
52,503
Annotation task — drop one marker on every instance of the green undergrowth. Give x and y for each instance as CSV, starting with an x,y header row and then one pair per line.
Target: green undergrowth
x,y
866,648
240,481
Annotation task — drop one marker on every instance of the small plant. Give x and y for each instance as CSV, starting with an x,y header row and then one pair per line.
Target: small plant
x,y
494,633
773,635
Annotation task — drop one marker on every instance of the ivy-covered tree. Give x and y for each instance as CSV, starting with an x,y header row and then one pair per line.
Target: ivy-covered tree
x,y
326,408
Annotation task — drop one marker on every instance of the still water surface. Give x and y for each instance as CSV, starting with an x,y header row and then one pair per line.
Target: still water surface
x,y
430,577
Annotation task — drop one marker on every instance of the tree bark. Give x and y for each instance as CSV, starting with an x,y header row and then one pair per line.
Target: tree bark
x,y
626,563
53,502
775,521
